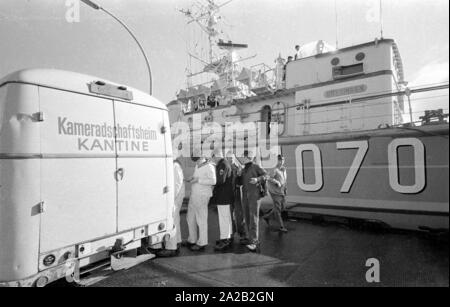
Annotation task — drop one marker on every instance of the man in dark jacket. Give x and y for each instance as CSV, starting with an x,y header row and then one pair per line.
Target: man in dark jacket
x,y
239,226
224,198
252,176
277,188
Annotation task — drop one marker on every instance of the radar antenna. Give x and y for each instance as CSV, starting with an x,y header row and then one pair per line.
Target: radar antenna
x,y
206,16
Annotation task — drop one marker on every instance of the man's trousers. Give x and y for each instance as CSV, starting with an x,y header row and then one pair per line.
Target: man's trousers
x,y
197,219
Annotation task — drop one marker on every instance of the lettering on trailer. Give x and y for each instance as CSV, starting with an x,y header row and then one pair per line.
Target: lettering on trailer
x,y
107,138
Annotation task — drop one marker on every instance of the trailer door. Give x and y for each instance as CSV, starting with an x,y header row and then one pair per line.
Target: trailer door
x,y
77,177
141,165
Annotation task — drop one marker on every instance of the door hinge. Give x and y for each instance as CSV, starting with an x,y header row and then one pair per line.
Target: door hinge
x,y
41,207
38,116
166,190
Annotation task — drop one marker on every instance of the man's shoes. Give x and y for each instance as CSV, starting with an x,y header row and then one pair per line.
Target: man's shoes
x,y
165,253
283,229
244,241
222,245
254,248
187,244
197,248
154,250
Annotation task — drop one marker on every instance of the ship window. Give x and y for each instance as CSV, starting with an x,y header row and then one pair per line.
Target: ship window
x,y
266,117
360,56
347,71
335,61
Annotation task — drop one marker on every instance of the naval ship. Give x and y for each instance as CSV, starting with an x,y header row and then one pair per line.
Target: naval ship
x,y
353,147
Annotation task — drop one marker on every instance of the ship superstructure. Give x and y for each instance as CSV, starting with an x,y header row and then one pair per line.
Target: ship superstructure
x,y
321,92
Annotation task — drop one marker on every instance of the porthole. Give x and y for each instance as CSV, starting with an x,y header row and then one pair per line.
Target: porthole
x,y
49,260
360,56
335,61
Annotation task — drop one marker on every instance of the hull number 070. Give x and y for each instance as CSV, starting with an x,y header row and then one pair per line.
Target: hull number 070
x,y
362,147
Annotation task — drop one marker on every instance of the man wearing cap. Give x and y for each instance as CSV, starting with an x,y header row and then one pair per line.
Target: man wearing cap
x,y
252,176
223,198
202,181
298,53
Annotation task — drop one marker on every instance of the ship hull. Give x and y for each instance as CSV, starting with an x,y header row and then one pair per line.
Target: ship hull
x,y
397,177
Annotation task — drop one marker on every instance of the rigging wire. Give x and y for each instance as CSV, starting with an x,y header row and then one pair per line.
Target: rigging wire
x,y
337,23
287,116
352,107
360,97
337,120
381,18
322,122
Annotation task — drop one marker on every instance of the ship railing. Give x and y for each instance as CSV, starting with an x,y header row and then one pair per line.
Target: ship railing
x,y
242,137
342,118
263,77
373,111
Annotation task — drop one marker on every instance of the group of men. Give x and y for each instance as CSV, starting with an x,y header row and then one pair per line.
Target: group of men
x,y
235,186
198,104
297,56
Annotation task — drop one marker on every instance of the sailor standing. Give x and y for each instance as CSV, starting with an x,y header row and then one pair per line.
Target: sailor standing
x,y
224,198
298,53
252,178
240,228
202,181
277,188
172,246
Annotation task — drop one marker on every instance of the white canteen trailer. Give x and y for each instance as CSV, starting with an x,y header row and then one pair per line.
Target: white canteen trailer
x,y
86,175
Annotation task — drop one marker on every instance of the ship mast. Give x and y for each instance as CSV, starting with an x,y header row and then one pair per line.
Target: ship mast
x,y
207,18
220,67
211,28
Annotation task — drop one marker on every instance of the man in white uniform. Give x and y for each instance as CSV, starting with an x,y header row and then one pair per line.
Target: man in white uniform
x,y
172,246
298,53
202,181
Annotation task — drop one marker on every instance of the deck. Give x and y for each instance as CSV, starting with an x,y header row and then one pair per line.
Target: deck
x,y
311,254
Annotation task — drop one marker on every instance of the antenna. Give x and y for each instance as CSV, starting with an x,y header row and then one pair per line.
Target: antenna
x,y
337,23
206,16
381,18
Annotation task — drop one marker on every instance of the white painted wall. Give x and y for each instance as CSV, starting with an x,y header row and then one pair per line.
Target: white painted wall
x,y
318,69
347,117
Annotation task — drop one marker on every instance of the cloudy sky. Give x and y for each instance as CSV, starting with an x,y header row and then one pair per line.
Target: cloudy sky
x,y
35,33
